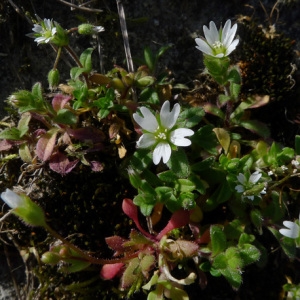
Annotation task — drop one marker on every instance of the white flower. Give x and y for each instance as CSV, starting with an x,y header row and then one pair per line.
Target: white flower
x,y
247,186
97,29
44,33
12,199
160,131
293,230
218,43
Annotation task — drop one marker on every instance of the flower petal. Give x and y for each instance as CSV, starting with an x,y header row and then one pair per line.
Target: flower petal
x,y
226,32
12,199
241,178
211,34
240,188
148,121
230,36
162,150
292,232
168,118
146,140
203,46
232,47
177,136
255,177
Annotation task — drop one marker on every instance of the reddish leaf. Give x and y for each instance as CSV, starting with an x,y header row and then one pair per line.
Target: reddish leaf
x,y
45,145
110,271
60,163
115,243
132,212
179,218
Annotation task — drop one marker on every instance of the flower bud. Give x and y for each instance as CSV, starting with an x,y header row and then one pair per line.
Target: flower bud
x,y
88,29
134,178
50,258
53,79
24,208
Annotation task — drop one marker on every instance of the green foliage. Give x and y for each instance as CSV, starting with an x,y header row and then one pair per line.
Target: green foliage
x,y
226,175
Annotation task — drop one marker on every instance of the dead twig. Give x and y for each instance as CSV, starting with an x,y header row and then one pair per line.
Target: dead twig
x,y
81,7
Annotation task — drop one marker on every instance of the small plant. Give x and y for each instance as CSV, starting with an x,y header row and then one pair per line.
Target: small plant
x,y
230,167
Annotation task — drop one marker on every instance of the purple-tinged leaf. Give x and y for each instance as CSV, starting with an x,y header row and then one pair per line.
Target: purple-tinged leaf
x,y
87,134
6,145
45,145
39,132
60,163
59,101
96,166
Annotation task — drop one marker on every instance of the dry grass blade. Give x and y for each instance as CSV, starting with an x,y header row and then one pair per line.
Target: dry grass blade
x,y
125,36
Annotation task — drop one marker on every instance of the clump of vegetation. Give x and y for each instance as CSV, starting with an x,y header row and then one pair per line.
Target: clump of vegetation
x,y
185,188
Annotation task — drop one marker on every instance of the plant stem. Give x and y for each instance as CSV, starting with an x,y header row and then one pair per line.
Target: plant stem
x,y
84,255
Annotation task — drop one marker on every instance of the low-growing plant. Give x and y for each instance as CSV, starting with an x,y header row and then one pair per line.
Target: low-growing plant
x,y
189,163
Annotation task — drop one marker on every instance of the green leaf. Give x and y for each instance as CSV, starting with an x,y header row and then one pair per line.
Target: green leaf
x,y
75,266
23,123
76,72
218,240
214,110
200,185
234,277
286,155
162,50
223,138
297,144
206,139
223,99
164,193
288,245
179,164
203,165
149,58
65,116
221,194
256,127
146,202
141,160
150,95
220,261
234,76
184,185
167,176
25,153
245,239
144,81
153,280
10,134
190,117
235,90
86,59
37,92
249,254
